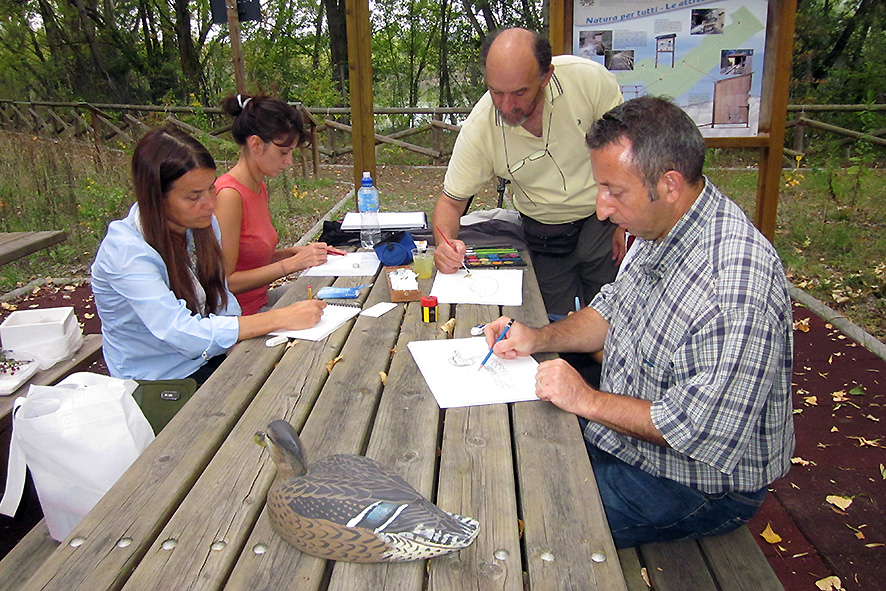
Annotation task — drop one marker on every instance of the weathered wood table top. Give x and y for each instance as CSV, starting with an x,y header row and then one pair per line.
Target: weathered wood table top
x,y
15,245
189,513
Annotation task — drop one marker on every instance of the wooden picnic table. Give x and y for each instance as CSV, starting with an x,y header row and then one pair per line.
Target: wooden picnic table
x,y
189,513
15,245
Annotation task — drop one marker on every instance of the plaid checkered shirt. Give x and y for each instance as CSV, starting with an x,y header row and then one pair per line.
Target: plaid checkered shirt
x,y
701,326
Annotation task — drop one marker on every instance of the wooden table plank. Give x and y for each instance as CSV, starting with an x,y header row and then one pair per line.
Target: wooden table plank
x,y
115,535
211,525
340,422
15,245
477,480
406,402
563,516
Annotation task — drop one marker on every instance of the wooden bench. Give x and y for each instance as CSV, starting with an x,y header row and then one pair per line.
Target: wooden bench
x,y
27,556
731,562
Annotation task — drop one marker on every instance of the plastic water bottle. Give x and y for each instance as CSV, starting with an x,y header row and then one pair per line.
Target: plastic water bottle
x,y
367,202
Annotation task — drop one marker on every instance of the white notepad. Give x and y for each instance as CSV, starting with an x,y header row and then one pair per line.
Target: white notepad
x,y
333,317
389,220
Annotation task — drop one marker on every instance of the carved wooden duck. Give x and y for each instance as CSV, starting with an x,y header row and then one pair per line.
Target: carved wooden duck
x,y
353,509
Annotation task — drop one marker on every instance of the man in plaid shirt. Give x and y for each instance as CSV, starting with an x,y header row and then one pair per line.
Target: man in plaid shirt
x,y
693,417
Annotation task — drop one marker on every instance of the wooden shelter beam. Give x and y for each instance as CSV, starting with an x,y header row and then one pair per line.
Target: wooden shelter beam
x,y
360,82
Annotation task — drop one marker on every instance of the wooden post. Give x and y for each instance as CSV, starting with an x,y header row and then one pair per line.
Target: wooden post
x,y
769,179
360,73
330,142
557,27
436,140
236,49
96,138
799,137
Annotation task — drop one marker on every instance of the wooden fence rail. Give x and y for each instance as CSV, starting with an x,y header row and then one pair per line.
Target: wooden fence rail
x,y
115,125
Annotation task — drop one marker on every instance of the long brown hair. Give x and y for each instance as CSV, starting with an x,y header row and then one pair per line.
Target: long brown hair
x,y
162,157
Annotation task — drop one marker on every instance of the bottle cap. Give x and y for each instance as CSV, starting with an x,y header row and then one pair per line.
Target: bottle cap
x,y
429,301
366,181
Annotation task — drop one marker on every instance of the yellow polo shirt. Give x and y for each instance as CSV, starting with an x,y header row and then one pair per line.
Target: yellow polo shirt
x,y
578,94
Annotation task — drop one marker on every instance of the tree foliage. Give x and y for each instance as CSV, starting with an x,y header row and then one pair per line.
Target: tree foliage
x,y
424,51
838,52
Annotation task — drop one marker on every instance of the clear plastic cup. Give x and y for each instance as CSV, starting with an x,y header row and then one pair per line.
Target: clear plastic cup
x,y
423,262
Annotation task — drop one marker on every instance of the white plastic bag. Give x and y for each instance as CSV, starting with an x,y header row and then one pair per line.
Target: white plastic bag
x,y
77,438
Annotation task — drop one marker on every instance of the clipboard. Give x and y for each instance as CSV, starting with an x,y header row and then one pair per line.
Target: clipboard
x,y
401,295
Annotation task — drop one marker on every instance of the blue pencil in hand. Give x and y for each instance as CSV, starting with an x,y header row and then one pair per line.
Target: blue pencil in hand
x,y
500,337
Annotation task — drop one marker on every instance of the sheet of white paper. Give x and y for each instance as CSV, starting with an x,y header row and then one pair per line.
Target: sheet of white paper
x,y
388,220
333,317
494,287
379,309
450,367
353,264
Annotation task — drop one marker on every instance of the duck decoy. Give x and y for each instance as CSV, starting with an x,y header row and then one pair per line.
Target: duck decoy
x,y
351,508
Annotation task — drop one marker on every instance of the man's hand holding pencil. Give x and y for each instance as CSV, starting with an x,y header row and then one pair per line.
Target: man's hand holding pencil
x,y
517,342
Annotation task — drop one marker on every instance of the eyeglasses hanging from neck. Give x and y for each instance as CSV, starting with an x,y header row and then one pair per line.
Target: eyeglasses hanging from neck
x,y
535,156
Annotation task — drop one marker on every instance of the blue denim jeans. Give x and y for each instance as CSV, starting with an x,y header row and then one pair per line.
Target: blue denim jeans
x,y
644,508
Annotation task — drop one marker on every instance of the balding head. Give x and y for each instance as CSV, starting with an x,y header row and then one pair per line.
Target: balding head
x,y
506,46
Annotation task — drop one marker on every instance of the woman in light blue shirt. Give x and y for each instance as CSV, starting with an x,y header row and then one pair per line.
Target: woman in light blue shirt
x,y
159,279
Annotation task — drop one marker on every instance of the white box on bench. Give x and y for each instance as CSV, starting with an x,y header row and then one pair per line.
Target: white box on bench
x,y
46,334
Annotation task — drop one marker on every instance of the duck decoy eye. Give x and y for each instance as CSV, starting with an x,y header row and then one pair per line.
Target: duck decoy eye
x,y
377,515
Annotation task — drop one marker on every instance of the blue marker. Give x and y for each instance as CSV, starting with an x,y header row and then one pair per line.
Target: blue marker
x,y
500,337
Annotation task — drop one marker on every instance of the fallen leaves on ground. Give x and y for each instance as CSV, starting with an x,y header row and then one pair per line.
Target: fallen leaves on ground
x,y
801,461
802,325
830,584
769,535
839,501
862,442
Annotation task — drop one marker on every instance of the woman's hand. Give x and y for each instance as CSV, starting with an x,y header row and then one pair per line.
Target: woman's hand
x,y
299,315
302,257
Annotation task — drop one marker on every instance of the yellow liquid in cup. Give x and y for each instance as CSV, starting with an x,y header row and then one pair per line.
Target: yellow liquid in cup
x,y
423,264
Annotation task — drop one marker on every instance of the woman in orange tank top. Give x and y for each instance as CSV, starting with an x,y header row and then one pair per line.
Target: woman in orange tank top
x,y
268,131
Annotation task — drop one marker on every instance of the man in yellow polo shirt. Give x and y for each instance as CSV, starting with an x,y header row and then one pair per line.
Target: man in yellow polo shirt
x,y
529,128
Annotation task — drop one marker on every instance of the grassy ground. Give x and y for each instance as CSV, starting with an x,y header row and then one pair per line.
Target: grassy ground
x,y
830,227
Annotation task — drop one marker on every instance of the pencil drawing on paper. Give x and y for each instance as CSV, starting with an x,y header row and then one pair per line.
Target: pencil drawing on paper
x,y
482,286
500,375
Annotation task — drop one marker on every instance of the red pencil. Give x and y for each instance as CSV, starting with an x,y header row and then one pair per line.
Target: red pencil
x,y
331,250
443,236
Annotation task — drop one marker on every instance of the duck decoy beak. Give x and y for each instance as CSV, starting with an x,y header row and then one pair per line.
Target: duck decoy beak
x,y
260,438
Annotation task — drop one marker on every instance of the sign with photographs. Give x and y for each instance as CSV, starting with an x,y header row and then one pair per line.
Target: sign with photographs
x,y
705,54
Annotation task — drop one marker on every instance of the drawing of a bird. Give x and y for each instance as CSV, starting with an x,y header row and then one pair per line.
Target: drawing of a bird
x,y
353,509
